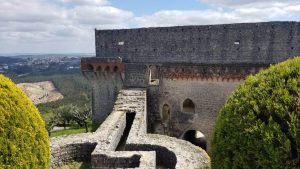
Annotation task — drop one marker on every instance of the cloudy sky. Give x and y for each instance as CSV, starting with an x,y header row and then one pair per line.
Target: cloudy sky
x,y
67,26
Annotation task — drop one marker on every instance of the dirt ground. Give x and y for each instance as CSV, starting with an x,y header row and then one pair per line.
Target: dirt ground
x,y
41,92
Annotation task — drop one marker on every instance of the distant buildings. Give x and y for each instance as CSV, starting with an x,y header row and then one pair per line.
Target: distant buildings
x,y
34,64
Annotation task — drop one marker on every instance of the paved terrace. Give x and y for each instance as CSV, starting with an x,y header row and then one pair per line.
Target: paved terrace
x,y
122,142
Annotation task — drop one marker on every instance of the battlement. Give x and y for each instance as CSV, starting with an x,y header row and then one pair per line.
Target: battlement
x,y
102,64
256,43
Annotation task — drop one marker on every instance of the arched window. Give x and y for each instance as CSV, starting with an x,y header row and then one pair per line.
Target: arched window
x,y
153,75
165,113
188,106
195,137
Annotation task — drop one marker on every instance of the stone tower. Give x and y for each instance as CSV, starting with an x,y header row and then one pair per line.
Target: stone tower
x,y
106,76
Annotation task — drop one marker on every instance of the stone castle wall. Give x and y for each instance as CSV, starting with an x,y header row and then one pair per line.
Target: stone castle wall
x,y
207,96
208,87
200,63
256,43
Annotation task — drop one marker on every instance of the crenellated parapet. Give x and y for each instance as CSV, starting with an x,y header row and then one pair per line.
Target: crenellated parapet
x,y
209,72
94,64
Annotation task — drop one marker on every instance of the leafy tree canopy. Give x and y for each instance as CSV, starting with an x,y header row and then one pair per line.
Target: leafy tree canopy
x,y
259,126
23,138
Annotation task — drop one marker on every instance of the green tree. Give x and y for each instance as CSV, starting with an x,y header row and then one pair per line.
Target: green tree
x,y
259,126
63,115
24,140
51,120
81,115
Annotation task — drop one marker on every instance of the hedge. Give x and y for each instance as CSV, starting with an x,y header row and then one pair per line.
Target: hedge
x,y
24,140
259,125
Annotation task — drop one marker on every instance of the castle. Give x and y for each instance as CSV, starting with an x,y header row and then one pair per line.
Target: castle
x,y
151,82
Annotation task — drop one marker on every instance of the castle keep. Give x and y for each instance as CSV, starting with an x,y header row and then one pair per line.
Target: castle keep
x,y
188,71
173,81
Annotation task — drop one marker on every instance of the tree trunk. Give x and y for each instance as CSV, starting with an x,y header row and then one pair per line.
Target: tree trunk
x,y
86,128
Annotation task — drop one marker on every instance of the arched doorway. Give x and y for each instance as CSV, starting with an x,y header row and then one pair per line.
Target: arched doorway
x,y
195,137
188,106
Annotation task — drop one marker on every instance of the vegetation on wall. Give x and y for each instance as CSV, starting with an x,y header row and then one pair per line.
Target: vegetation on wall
x,y
259,126
23,138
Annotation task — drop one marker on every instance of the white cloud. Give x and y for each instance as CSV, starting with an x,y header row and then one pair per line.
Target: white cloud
x,y
103,15
29,11
46,24
85,2
234,3
176,17
262,11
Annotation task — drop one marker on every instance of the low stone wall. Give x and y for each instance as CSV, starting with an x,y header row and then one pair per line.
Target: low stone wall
x,y
142,150
72,148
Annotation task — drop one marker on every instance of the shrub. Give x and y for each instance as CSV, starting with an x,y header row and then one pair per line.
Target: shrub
x,y
259,126
23,138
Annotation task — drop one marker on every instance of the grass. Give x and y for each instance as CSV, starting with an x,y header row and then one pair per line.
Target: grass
x,y
76,165
70,131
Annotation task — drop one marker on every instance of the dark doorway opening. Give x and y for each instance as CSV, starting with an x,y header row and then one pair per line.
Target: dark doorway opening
x,y
195,137
165,113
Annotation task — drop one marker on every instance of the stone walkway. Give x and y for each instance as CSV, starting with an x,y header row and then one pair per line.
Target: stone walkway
x,y
141,150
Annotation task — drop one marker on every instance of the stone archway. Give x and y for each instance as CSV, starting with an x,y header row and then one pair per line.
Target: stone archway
x,y
188,106
195,137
